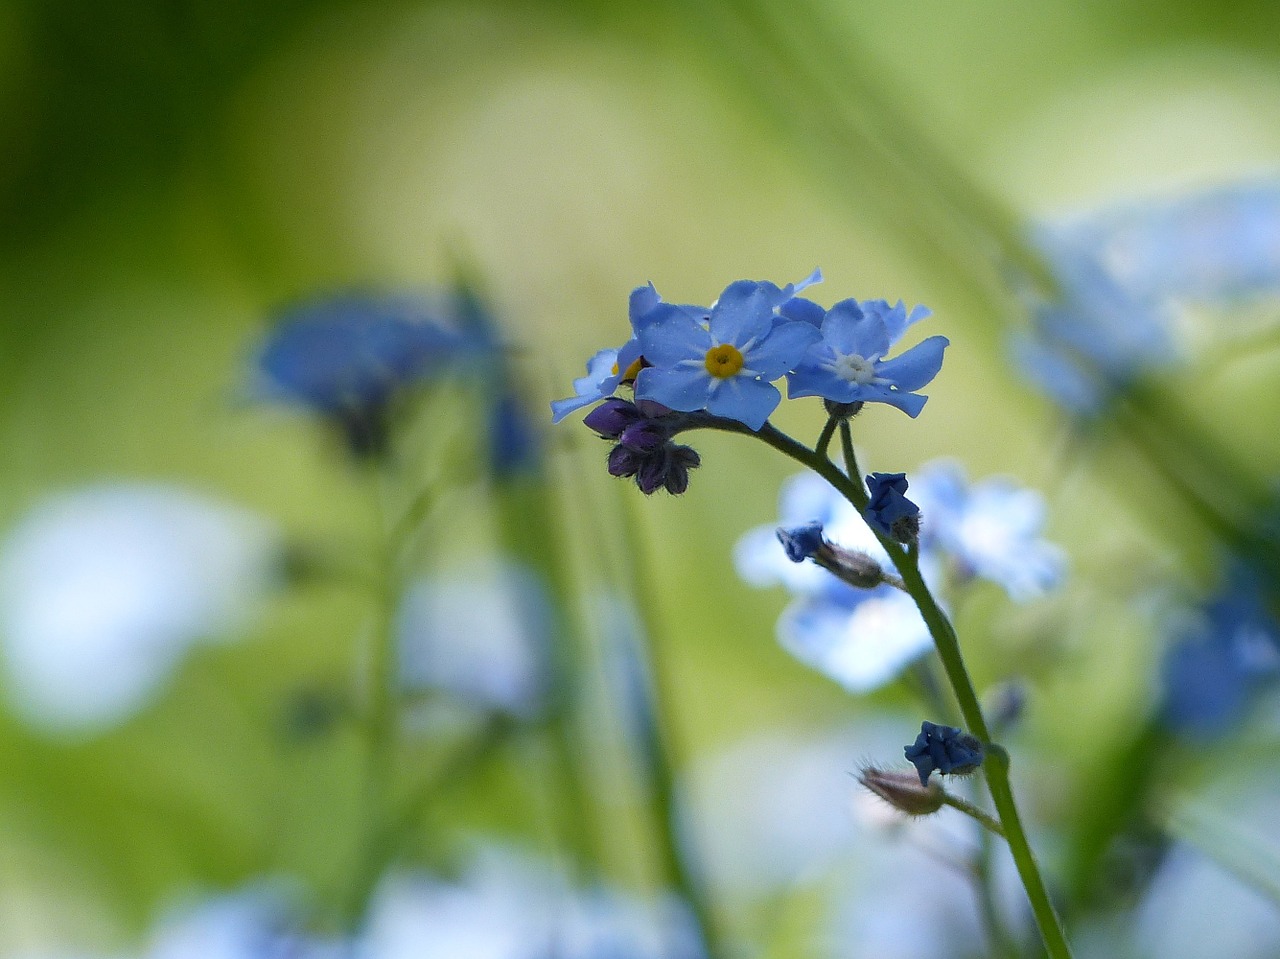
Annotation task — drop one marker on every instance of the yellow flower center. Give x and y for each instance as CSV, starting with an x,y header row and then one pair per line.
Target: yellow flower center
x,y
632,371
723,361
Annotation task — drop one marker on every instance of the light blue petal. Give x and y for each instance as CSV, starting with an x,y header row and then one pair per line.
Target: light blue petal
x,y
781,350
744,399
806,311
909,403
601,380
917,366
673,338
848,329
812,380
641,304
682,388
745,311
791,289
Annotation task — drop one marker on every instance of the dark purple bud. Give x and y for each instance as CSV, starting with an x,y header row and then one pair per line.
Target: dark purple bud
x,y
652,475
680,459
644,436
624,462
611,417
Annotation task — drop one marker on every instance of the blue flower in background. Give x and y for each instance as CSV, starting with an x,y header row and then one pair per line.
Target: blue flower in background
x,y
103,591
348,357
482,636
1127,274
991,529
726,365
1220,655
847,365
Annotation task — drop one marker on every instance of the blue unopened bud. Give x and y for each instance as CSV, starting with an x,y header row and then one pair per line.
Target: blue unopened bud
x,y
801,542
889,512
945,748
624,461
644,436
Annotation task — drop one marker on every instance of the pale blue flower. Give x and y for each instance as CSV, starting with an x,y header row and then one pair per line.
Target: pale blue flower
x,y
481,635
847,364
991,529
104,590
725,366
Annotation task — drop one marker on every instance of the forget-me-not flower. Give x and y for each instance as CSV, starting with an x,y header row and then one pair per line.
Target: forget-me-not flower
x,y
847,364
104,590
991,529
726,365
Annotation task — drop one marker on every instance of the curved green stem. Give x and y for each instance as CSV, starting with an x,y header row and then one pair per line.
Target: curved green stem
x,y
973,812
947,644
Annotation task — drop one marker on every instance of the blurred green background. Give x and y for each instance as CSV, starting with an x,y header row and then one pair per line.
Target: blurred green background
x,y
175,173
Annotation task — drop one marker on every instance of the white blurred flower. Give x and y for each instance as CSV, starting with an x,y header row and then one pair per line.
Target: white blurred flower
x,y
103,591
481,635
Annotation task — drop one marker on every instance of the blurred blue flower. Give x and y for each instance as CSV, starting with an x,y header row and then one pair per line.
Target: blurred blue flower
x,y
888,511
725,365
847,364
1124,276
508,906
943,748
990,528
105,589
347,357
861,638
480,635
1220,655
515,447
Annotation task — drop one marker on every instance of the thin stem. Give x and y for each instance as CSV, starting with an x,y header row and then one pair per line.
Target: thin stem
x,y
851,466
973,812
824,438
948,646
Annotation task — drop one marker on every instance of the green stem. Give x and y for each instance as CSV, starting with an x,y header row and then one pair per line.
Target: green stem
x,y
947,644
658,748
824,438
973,812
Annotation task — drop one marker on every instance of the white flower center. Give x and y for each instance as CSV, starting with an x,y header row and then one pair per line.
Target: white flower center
x,y
855,368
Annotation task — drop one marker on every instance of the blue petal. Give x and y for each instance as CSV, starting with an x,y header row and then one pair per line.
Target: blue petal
x,y
642,301
675,336
917,366
601,380
791,289
745,311
909,403
782,349
744,399
850,330
807,311
812,380
682,388
896,319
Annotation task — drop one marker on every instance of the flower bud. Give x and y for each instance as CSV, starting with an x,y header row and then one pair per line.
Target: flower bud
x,y
853,566
947,749
611,417
624,462
644,436
902,791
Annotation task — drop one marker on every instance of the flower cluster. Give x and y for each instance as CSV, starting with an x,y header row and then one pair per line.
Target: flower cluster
x,y
723,360
643,447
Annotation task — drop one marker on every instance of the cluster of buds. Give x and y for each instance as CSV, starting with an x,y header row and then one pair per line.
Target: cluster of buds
x,y
643,447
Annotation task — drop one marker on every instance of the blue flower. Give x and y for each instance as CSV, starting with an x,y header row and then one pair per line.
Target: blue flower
x,y
1220,656
944,748
847,364
725,365
991,529
105,590
861,638
889,512
349,357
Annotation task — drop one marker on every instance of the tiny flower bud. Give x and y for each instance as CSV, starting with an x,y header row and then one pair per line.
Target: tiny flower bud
x,y
945,748
889,512
611,417
652,474
801,542
902,791
680,459
624,462
853,566
644,436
